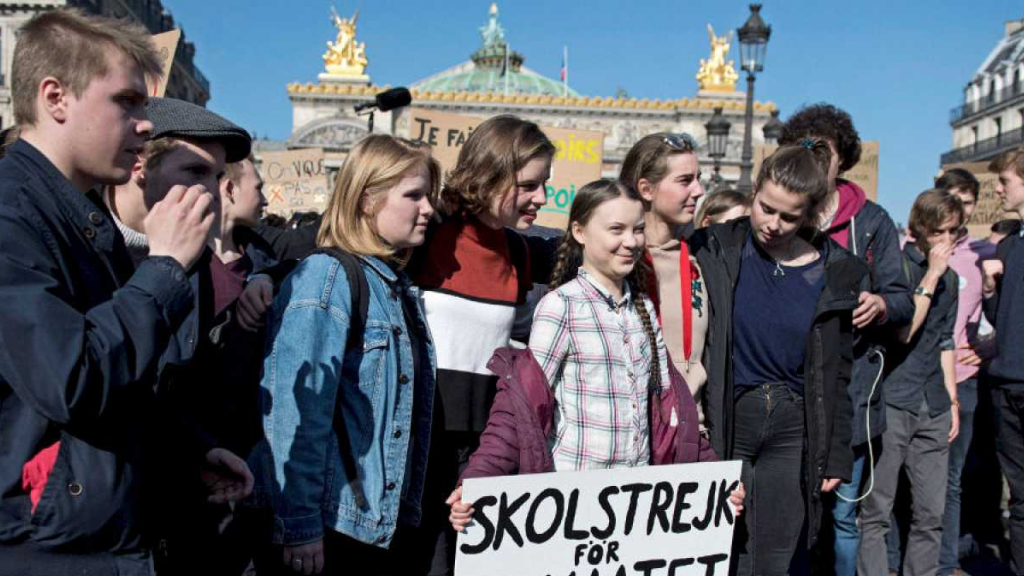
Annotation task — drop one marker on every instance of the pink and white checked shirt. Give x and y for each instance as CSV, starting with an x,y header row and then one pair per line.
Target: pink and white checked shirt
x,y
597,359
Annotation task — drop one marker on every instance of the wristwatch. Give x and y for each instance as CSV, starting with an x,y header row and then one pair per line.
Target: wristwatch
x,y
920,291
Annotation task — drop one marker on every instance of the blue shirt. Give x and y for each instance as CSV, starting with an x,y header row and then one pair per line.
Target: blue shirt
x,y
773,309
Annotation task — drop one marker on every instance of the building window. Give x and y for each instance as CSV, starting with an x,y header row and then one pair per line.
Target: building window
x,y
999,127
974,135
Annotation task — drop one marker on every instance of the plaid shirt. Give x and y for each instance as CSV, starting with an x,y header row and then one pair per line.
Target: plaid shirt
x,y
597,358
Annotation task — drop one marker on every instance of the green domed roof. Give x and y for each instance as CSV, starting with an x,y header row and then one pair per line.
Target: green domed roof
x,y
495,67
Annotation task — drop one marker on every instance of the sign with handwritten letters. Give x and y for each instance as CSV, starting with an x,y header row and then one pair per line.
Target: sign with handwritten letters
x,y
864,173
664,520
989,209
295,181
577,158
166,45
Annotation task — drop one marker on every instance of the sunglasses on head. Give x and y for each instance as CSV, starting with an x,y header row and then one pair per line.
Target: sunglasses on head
x,y
680,141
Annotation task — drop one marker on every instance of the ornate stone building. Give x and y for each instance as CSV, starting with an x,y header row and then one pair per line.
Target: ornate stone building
x,y
991,118
495,81
186,81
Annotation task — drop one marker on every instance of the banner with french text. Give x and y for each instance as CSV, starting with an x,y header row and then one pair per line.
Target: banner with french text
x,y
646,521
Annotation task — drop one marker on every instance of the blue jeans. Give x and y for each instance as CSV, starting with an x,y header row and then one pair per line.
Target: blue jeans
x,y
844,515
967,392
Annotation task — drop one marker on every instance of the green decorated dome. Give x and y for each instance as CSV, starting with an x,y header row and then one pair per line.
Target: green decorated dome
x,y
495,67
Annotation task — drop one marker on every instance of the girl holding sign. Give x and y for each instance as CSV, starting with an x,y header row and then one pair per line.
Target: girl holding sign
x,y
349,377
595,389
779,354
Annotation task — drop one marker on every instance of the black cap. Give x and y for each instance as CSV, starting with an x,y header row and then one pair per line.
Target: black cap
x,y
179,119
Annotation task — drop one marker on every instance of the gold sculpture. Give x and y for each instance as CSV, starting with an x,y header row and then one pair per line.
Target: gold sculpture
x,y
715,74
345,57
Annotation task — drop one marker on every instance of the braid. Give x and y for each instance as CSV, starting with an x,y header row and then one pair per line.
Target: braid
x,y
637,284
568,260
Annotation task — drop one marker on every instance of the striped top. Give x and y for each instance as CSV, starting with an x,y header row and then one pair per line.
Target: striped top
x,y
597,358
472,279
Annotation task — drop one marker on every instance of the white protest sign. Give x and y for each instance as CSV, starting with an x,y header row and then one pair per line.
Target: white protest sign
x,y
653,520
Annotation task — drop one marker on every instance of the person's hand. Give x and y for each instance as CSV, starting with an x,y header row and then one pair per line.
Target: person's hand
x,y
938,258
253,303
178,225
954,427
992,269
967,356
462,513
226,476
830,484
871,308
736,498
304,559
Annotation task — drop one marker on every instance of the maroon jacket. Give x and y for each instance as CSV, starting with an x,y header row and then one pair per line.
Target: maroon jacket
x,y
516,438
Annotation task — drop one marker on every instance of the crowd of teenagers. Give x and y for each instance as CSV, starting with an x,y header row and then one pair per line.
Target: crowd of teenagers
x,y
187,388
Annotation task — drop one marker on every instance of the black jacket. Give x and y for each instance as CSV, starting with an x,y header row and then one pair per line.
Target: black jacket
x,y
874,240
80,336
828,361
1005,310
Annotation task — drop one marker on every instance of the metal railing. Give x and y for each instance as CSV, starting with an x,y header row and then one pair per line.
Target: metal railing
x,y
984,148
987,101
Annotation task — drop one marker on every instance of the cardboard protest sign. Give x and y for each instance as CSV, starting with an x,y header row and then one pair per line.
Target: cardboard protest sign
x,y
624,522
577,160
166,45
864,173
294,181
989,209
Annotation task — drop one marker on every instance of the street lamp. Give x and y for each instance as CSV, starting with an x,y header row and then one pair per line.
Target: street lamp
x,y
718,139
753,44
772,128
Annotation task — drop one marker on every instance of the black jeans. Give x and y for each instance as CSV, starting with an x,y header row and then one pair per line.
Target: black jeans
x,y
1009,417
770,438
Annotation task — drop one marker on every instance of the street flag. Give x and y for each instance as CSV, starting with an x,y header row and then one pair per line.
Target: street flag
x,y
565,70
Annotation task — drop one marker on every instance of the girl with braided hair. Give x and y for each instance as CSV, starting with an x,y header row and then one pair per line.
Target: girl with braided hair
x,y
612,397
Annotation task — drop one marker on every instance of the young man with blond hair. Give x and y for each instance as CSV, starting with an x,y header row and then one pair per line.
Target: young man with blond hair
x,y
82,328
1003,290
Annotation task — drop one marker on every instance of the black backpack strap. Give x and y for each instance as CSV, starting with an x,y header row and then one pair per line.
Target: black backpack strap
x,y
518,251
360,291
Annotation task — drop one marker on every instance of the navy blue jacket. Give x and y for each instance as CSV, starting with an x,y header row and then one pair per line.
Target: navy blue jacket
x,y
874,240
1005,311
80,338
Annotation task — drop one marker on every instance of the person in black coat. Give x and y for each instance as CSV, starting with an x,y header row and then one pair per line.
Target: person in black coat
x,y
779,357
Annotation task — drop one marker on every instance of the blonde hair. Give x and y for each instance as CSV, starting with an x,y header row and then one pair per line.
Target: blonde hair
x,y
648,159
718,203
375,165
1009,159
73,47
496,150
234,170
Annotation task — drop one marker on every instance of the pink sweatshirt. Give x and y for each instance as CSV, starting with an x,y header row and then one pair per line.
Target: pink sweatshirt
x,y
966,262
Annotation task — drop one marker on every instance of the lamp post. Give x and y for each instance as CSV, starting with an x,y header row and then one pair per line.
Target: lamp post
x,y
772,128
718,139
753,44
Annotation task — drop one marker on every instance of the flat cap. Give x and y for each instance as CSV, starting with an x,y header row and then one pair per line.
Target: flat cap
x,y
179,119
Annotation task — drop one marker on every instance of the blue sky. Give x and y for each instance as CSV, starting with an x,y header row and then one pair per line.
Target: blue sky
x,y
898,66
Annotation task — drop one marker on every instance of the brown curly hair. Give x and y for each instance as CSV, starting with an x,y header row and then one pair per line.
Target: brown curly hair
x,y
488,162
825,121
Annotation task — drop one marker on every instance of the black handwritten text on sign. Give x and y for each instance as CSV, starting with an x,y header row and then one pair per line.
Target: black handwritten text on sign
x,y
649,521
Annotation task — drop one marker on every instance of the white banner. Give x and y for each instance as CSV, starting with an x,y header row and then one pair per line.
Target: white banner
x,y
649,521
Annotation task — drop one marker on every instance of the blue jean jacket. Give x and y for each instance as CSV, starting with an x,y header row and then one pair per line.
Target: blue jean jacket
x,y
306,366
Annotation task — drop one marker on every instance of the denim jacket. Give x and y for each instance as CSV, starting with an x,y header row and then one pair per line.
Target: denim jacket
x,y
306,365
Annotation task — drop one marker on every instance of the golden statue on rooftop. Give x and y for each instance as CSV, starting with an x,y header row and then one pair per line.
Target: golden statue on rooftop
x,y
345,57
716,75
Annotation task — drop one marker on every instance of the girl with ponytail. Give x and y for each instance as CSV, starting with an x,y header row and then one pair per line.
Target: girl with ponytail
x,y
611,397
779,355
